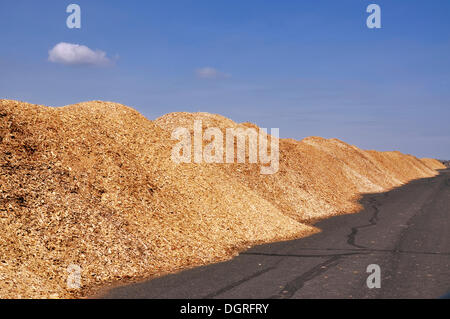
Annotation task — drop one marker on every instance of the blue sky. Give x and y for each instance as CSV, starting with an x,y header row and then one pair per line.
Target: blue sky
x,y
307,67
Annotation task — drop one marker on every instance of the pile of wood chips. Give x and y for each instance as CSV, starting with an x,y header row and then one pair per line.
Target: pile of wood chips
x,y
93,184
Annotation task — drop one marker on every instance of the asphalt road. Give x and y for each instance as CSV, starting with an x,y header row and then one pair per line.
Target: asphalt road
x,y
405,231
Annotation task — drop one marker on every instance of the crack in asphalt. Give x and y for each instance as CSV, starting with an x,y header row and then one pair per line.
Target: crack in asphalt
x,y
259,273
294,285
360,251
303,255
357,252
351,238
237,283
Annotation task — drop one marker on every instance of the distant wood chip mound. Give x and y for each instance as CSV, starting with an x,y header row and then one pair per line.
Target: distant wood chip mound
x,y
93,185
446,163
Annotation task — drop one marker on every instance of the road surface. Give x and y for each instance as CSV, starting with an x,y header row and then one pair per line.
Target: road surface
x,y
405,231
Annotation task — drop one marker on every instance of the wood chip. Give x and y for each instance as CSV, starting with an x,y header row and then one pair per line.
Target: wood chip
x,y
93,185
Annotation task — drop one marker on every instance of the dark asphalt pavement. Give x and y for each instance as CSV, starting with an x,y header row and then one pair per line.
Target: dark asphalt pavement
x,y
405,231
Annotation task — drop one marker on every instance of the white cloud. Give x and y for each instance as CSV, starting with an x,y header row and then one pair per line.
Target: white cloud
x,y
211,73
75,54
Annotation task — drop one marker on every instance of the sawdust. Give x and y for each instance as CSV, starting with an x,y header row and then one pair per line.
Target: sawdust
x,y
433,163
93,184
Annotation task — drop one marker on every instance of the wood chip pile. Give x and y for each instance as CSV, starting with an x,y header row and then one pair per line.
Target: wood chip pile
x,y
93,184
433,163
